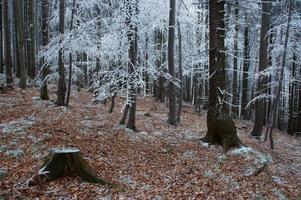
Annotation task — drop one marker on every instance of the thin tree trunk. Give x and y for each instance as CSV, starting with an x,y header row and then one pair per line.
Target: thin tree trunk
x,y
8,57
20,40
1,40
171,65
70,56
280,82
45,67
245,89
61,90
263,63
180,100
235,62
32,42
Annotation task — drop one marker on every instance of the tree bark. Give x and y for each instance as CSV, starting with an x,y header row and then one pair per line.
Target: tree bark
x,y
45,38
235,62
32,41
61,90
1,40
245,75
8,57
281,77
180,97
172,115
20,40
263,63
221,128
70,56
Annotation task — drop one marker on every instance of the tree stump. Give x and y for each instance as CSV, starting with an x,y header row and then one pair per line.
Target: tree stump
x,y
67,161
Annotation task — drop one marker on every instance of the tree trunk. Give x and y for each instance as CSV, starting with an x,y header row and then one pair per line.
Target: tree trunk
x,y
8,57
180,97
45,67
61,90
20,40
112,103
245,75
32,46
263,63
281,77
221,128
1,41
132,10
172,115
70,57
235,62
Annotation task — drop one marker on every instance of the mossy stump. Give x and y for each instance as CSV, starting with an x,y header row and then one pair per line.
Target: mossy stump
x,y
67,161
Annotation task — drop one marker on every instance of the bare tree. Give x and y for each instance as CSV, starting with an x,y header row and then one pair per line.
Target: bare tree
x,y
8,57
45,40
20,40
61,90
221,128
263,63
172,115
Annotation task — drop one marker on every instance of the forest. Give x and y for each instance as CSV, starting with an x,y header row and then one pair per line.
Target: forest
x,y
150,99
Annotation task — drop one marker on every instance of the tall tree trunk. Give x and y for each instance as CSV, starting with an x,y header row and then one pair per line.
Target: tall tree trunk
x,y
180,97
235,62
221,128
8,57
1,40
70,56
172,118
61,90
17,4
132,9
45,38
291,124
263,63
32,41
245,89
281,77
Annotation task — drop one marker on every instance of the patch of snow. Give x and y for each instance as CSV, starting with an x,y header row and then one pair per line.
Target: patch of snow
x,y
204,144
279,193
65,150
3,173
15,153
190,155
17,126
208,173
192,135
242,150
128,180
279,180
258,160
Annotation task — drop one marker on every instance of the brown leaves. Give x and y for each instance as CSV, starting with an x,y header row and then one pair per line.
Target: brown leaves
x,y
158,162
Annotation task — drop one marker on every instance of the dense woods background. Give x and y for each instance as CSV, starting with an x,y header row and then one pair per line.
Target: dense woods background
x,y
226,60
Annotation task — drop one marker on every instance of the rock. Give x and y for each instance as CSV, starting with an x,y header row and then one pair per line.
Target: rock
x,y
256,160
3,173
157,197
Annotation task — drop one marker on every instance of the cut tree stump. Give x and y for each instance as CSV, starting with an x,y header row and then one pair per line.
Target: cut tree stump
x,y
68,161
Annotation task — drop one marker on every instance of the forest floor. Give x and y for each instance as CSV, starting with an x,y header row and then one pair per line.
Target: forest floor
x,y
157,162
